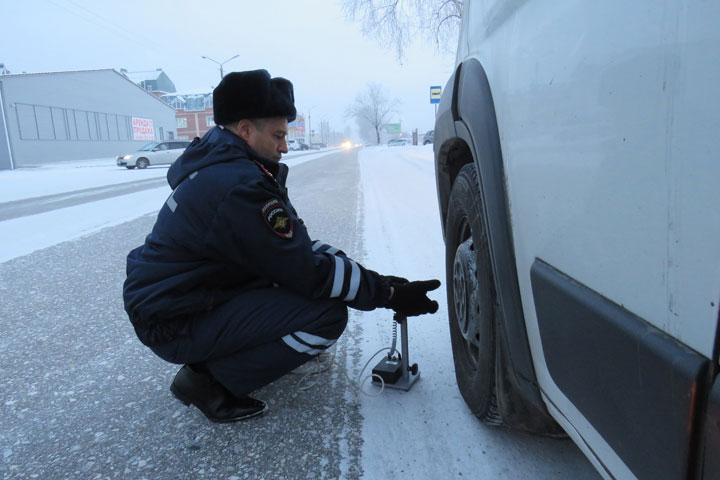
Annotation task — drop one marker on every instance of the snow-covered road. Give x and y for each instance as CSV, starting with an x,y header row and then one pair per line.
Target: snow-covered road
x,y
425,433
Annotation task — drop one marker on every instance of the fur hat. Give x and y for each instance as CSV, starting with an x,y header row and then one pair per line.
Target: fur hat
x,y
252,94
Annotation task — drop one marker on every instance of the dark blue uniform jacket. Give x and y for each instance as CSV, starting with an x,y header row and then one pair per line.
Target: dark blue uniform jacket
x,y
228,227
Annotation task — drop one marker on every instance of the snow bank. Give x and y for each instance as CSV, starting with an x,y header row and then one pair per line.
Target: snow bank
x,y
27,234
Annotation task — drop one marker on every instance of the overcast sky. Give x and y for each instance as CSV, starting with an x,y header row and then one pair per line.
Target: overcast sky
x,y
309,42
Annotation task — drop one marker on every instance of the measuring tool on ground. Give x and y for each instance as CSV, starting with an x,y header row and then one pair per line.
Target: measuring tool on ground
x,y
395,369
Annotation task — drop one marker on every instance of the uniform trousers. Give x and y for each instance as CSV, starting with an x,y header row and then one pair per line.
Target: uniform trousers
x,y
257,337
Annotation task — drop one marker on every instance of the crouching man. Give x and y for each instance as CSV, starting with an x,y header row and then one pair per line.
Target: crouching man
x,y
228,282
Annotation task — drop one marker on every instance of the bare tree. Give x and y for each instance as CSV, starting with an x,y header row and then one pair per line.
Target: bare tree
x,y
371,108
395,22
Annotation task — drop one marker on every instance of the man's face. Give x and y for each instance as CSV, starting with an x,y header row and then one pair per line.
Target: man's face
x,y
268,137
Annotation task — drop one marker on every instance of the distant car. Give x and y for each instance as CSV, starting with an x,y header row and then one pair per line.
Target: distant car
x,y
318,145
293,144
398,142
428,137
154,153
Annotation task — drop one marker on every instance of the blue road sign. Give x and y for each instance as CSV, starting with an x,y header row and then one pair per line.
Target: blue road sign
x,y
435,92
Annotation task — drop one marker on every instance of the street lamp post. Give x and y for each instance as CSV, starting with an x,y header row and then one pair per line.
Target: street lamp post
x,y
309,122
220,63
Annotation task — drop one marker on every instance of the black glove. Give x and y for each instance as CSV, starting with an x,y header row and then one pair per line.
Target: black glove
x,y
394,280
410,299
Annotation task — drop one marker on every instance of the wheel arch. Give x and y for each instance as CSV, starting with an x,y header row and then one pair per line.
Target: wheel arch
x,y
453,154
476,139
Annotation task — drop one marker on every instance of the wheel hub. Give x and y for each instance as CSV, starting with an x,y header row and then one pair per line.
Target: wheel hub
x,y
465,287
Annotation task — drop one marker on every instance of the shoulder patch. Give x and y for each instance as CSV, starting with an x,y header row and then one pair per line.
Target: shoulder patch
x,y
278,219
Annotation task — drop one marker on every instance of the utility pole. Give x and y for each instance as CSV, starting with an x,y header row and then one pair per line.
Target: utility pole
x,y
220,63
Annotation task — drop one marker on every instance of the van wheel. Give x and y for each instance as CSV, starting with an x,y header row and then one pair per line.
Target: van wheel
x,y
472,302
142,163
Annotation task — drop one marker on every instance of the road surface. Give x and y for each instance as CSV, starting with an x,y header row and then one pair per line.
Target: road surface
x,y
82,398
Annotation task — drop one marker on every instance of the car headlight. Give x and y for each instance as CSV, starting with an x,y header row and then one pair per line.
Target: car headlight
x,y
127,157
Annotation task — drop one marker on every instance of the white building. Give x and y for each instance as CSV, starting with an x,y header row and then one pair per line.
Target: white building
x,y
155,81
61,116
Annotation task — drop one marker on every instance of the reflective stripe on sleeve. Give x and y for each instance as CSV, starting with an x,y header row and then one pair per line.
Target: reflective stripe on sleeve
x,y
339,277
300,347
354,282
319,246
171,203
314,340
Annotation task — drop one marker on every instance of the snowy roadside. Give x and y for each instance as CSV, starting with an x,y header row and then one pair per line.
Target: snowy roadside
x,y
49,179
429,432
403,237
34,232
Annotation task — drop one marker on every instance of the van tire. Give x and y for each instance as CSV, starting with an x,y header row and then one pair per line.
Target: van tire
x,y
473,308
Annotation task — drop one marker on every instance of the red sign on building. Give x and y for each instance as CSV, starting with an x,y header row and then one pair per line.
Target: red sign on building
x,y
297,127
143,129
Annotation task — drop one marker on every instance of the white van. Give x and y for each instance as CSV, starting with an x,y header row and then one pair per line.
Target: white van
x,y
578,174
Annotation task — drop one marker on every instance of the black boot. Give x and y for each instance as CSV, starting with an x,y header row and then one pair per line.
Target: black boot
x,y
214,400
